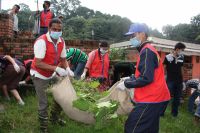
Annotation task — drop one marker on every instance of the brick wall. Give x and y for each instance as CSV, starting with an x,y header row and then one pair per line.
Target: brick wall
x,y
6,25
23,47
17,47
84,45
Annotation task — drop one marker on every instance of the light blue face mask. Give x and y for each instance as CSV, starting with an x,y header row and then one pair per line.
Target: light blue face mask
x,y
135,42
55,35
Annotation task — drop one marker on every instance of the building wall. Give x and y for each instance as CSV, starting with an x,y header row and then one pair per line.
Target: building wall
x,y
196,67
191,68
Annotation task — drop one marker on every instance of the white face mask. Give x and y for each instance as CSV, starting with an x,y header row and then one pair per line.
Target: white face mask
x,y
180,52
103,51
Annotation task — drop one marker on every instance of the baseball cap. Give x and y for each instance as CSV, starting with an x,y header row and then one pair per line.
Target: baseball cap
x,y
138,27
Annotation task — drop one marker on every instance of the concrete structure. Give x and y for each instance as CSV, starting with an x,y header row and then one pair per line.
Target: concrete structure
x,y
192,54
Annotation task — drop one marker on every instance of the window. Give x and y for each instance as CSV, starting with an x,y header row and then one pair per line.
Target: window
x,y
197,59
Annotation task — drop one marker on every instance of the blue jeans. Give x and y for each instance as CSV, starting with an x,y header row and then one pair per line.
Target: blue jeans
x,y
197,113
191,101
175,91
78,69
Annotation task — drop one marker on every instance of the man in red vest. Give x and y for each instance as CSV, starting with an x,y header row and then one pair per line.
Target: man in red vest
x,y
45,17
150,89
98,65
49,60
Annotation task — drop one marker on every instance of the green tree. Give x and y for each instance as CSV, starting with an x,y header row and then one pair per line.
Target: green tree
x,y
195,21
83,12
24,7
25,18
156,33
65,7
74,28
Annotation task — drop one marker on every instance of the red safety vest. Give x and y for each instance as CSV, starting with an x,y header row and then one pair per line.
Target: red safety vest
x,y
52,56
155,92
99,67
45,18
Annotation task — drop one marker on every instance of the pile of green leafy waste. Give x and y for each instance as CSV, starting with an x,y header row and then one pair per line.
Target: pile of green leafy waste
x,y
88,96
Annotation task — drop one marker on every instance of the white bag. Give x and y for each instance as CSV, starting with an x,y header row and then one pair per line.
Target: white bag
x,y
64,94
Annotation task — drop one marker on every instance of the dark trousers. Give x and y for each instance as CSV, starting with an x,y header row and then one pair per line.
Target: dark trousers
x,y
175,91
43,30
144,118
191,101
78,69
11,78
41,87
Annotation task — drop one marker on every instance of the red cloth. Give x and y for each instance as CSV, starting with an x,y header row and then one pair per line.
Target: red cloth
x,y
45,18
51,57
100,66
157,91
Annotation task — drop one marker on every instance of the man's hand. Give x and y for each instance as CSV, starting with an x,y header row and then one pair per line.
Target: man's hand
x,y
60,71
16,67
198,87
83,75
22,82
124,78
70,72
121,86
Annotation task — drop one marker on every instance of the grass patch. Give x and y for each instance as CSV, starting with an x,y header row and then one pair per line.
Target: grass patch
x,y
18,119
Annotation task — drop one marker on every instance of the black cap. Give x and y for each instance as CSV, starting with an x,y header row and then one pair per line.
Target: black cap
x,y
103,44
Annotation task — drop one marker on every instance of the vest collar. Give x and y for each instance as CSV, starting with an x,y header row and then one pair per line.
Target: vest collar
x,y
142,45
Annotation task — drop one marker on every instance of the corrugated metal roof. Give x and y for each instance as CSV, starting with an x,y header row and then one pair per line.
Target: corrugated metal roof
x,y
164,45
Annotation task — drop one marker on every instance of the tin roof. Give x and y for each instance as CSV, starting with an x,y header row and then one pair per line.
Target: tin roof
x,y
164,45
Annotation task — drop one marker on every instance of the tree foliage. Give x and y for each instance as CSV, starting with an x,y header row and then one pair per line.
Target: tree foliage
x,y
184,32
64,7
86,24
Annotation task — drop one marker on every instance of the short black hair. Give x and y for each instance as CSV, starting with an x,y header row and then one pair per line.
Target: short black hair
x,y
179,45
103,44
17,6
55,20
48,2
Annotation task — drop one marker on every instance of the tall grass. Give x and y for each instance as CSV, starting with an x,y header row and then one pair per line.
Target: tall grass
x,y
18,119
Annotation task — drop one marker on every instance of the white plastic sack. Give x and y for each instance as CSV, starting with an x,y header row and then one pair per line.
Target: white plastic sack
x,y
123,97
64,94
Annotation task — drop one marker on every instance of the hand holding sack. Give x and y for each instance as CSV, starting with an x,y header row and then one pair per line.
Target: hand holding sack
x,y
124,78
22,82
70,72
198,87
83,76
121,86
61,72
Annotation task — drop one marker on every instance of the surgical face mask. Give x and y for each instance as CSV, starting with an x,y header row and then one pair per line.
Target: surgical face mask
x,y
55,35
135,42
180,52
103,51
